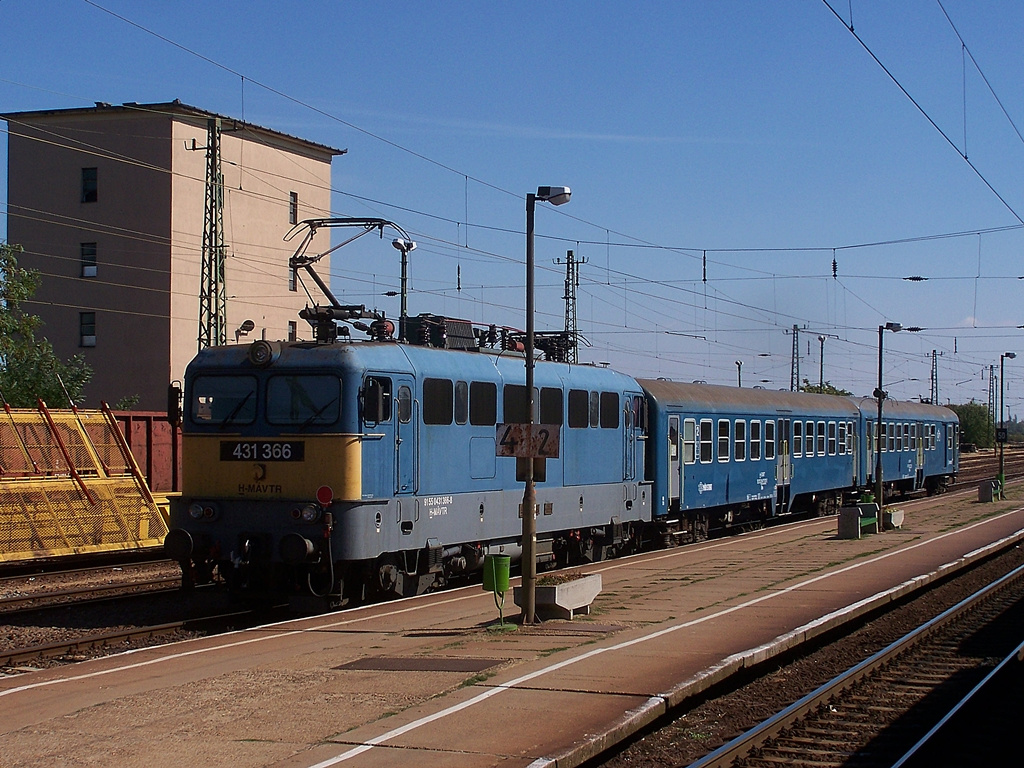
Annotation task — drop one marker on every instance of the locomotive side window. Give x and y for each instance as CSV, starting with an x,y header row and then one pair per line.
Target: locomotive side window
x,y
842,438
609,410
723,439
907,445
891,436
821,439
579,408
483,403
769,440
689,441
831,438
224,400
404,405
755,441
306,399
850,436
461,402
550,405
798,439
515,404
595,409
438,401
739,450
707,441
809,439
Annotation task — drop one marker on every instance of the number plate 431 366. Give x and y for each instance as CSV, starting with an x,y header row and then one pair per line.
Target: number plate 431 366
x,y
262,450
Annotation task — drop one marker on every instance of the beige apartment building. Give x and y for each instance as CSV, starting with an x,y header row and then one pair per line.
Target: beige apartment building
x,y
108,203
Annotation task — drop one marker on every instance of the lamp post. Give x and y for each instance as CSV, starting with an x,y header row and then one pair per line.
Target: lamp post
x,y
821,365
739,373
1002,429
555,196
404,246
880,395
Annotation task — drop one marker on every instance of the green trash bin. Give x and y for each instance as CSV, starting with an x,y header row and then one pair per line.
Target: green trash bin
x,y
496,570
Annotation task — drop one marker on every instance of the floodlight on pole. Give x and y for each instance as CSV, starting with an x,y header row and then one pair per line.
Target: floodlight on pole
x,y
880,395
404,245
555,196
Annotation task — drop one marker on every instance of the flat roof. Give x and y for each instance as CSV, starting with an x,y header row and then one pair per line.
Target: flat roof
x,y
175,107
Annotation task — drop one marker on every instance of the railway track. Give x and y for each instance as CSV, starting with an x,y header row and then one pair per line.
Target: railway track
x,y
81,596
875,712
75,648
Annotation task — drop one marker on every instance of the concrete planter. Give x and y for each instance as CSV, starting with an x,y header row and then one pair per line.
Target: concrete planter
x,y
563,601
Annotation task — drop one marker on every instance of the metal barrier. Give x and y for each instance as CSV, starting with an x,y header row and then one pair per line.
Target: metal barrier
x,y
70,485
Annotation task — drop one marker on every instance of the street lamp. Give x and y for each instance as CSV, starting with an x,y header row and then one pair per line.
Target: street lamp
x,y
1002,429
821,365
555,196
880,395
404,246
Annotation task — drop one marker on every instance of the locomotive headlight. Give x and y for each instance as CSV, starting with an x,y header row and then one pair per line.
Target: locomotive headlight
x,y
311,513
200,511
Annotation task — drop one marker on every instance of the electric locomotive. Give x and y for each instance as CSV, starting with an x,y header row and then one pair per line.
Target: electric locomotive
x,y
346,470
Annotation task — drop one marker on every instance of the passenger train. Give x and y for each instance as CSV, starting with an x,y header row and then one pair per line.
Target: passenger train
x,y
347,469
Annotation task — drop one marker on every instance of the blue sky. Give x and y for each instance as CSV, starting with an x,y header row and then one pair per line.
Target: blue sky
x,y
762,134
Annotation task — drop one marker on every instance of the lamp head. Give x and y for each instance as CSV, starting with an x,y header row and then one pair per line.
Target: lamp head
x,y
404,245
554,195
894,327
1009,355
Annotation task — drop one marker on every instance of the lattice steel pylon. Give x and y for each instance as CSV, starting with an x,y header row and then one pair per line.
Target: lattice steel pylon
x,y
794,371
935,378
212,291
572,282
993,386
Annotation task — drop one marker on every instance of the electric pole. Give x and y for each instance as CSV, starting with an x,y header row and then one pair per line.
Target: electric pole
x,y
572,282
212,291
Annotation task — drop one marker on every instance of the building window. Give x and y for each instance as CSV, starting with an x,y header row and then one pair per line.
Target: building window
x,y
87,329
293,207
293,280
88,252
90,185
293,331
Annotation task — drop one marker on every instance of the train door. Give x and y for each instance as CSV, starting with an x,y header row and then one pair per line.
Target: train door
x,y
917,437
783,464
405,439
674,475
629,416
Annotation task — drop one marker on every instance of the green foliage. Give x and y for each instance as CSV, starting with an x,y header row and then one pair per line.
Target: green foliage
x,y
126,403
824,389
29,369
975,424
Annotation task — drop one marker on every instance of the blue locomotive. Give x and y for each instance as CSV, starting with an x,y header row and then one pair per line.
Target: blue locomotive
x,y
347,469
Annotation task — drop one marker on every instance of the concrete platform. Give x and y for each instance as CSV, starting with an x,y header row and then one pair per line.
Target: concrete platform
x,y
427,681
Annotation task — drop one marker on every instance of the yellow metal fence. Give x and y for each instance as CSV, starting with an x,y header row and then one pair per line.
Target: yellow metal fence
x,y
69,485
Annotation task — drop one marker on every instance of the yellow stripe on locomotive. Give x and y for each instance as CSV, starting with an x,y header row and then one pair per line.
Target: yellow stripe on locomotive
x,y
282,467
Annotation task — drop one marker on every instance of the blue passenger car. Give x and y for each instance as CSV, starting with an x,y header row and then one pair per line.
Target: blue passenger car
x,y
722,455
919,448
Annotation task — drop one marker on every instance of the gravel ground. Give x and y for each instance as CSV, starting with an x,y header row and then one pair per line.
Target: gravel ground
x,y
69,622
727,714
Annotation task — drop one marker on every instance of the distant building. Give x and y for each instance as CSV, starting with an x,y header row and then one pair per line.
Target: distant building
x,y
108,203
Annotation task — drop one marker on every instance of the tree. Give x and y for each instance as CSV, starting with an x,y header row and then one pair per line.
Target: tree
x,y
975,424
824,389
29,368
